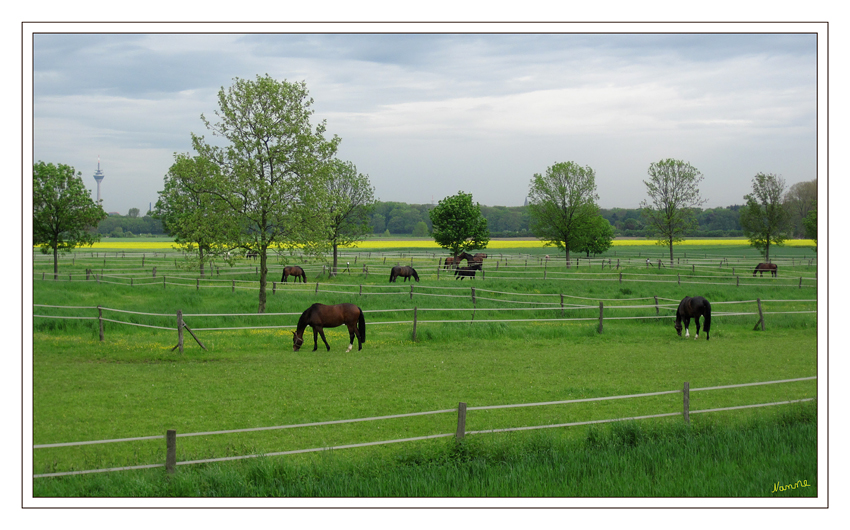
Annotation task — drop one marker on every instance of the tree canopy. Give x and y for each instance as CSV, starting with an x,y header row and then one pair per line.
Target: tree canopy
x,y
64,214
673,195
764,218
458,225
348,201
270,171
562,205
192,216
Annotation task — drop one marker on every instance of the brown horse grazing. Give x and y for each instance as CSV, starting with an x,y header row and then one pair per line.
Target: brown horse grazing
x,y
293,270
762,267
479,256
404,271
693,308
455,262
320,316
467,272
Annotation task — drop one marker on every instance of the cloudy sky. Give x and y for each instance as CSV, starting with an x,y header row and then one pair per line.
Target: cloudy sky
x,y
427,115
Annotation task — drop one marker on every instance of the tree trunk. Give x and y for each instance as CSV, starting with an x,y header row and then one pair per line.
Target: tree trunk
x,y
201,254
567,254
334,269
263,272
671,250
55,262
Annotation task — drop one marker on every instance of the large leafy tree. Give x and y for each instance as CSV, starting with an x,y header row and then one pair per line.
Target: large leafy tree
x,y
811,225
270,168
595,236
561,204
673,189
800,199
348,204
64,214
196,219
764,218
458,225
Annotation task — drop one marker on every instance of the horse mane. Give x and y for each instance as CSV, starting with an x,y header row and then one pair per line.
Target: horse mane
x,y
305,317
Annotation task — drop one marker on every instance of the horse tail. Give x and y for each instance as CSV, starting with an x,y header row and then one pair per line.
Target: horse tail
x,y
361,325
392,273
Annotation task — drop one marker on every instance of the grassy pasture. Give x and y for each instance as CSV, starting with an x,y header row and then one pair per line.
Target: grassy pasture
x,y
132,384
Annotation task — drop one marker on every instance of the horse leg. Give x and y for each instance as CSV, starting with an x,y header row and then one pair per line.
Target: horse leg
x,y
322,333
697,321
687,323
316,331
352,331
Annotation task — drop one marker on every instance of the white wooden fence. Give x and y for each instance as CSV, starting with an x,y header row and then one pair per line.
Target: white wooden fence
x,y
461,431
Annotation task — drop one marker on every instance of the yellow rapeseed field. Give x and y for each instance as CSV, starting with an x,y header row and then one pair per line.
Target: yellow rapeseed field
x,y
430,244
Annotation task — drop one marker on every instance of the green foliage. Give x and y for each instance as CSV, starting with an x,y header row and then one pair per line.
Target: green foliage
x,y
562,205
64,215
764,218
458,224
420,230
348,203
811,225
595,236
272,170
673,195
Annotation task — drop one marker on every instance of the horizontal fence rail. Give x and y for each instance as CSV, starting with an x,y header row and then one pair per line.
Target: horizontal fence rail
x,y
460,433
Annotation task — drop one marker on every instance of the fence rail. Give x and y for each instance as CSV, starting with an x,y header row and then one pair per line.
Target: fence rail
x,y
461,431
476,310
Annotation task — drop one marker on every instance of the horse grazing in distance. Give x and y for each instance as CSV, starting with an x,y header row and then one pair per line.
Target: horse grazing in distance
x,y
320,316
405,271
293,270
252,254
762,267
693,308
467,272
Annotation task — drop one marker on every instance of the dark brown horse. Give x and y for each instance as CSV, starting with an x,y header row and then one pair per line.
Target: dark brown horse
x,y
455,262
479,257
320,316
404,271
693,308
467,272
252,254
293,270
762,267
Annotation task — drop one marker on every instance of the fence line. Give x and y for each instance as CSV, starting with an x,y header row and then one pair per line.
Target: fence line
x,y
462,409
431,412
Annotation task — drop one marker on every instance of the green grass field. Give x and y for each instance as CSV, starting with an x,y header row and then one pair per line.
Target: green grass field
x,y
132,384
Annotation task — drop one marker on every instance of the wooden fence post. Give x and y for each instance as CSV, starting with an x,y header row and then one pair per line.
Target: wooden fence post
x,y
600,317
197,284
737,281
163,281
656,306
100,322
411,290
473,295
686,402
621,277
461,421
801,283
414,324
154,272
317,288
761,316
562,304
180,330
170,450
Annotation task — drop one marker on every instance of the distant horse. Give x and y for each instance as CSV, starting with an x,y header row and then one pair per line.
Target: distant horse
x,y
404,271
319,316
761,267
467,272
450,262
252,254
294,270
693,308
479,257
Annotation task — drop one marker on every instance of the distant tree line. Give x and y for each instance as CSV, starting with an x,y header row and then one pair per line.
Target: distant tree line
x,y
399,218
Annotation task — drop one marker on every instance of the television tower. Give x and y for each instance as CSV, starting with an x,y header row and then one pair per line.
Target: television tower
x,y
98,176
